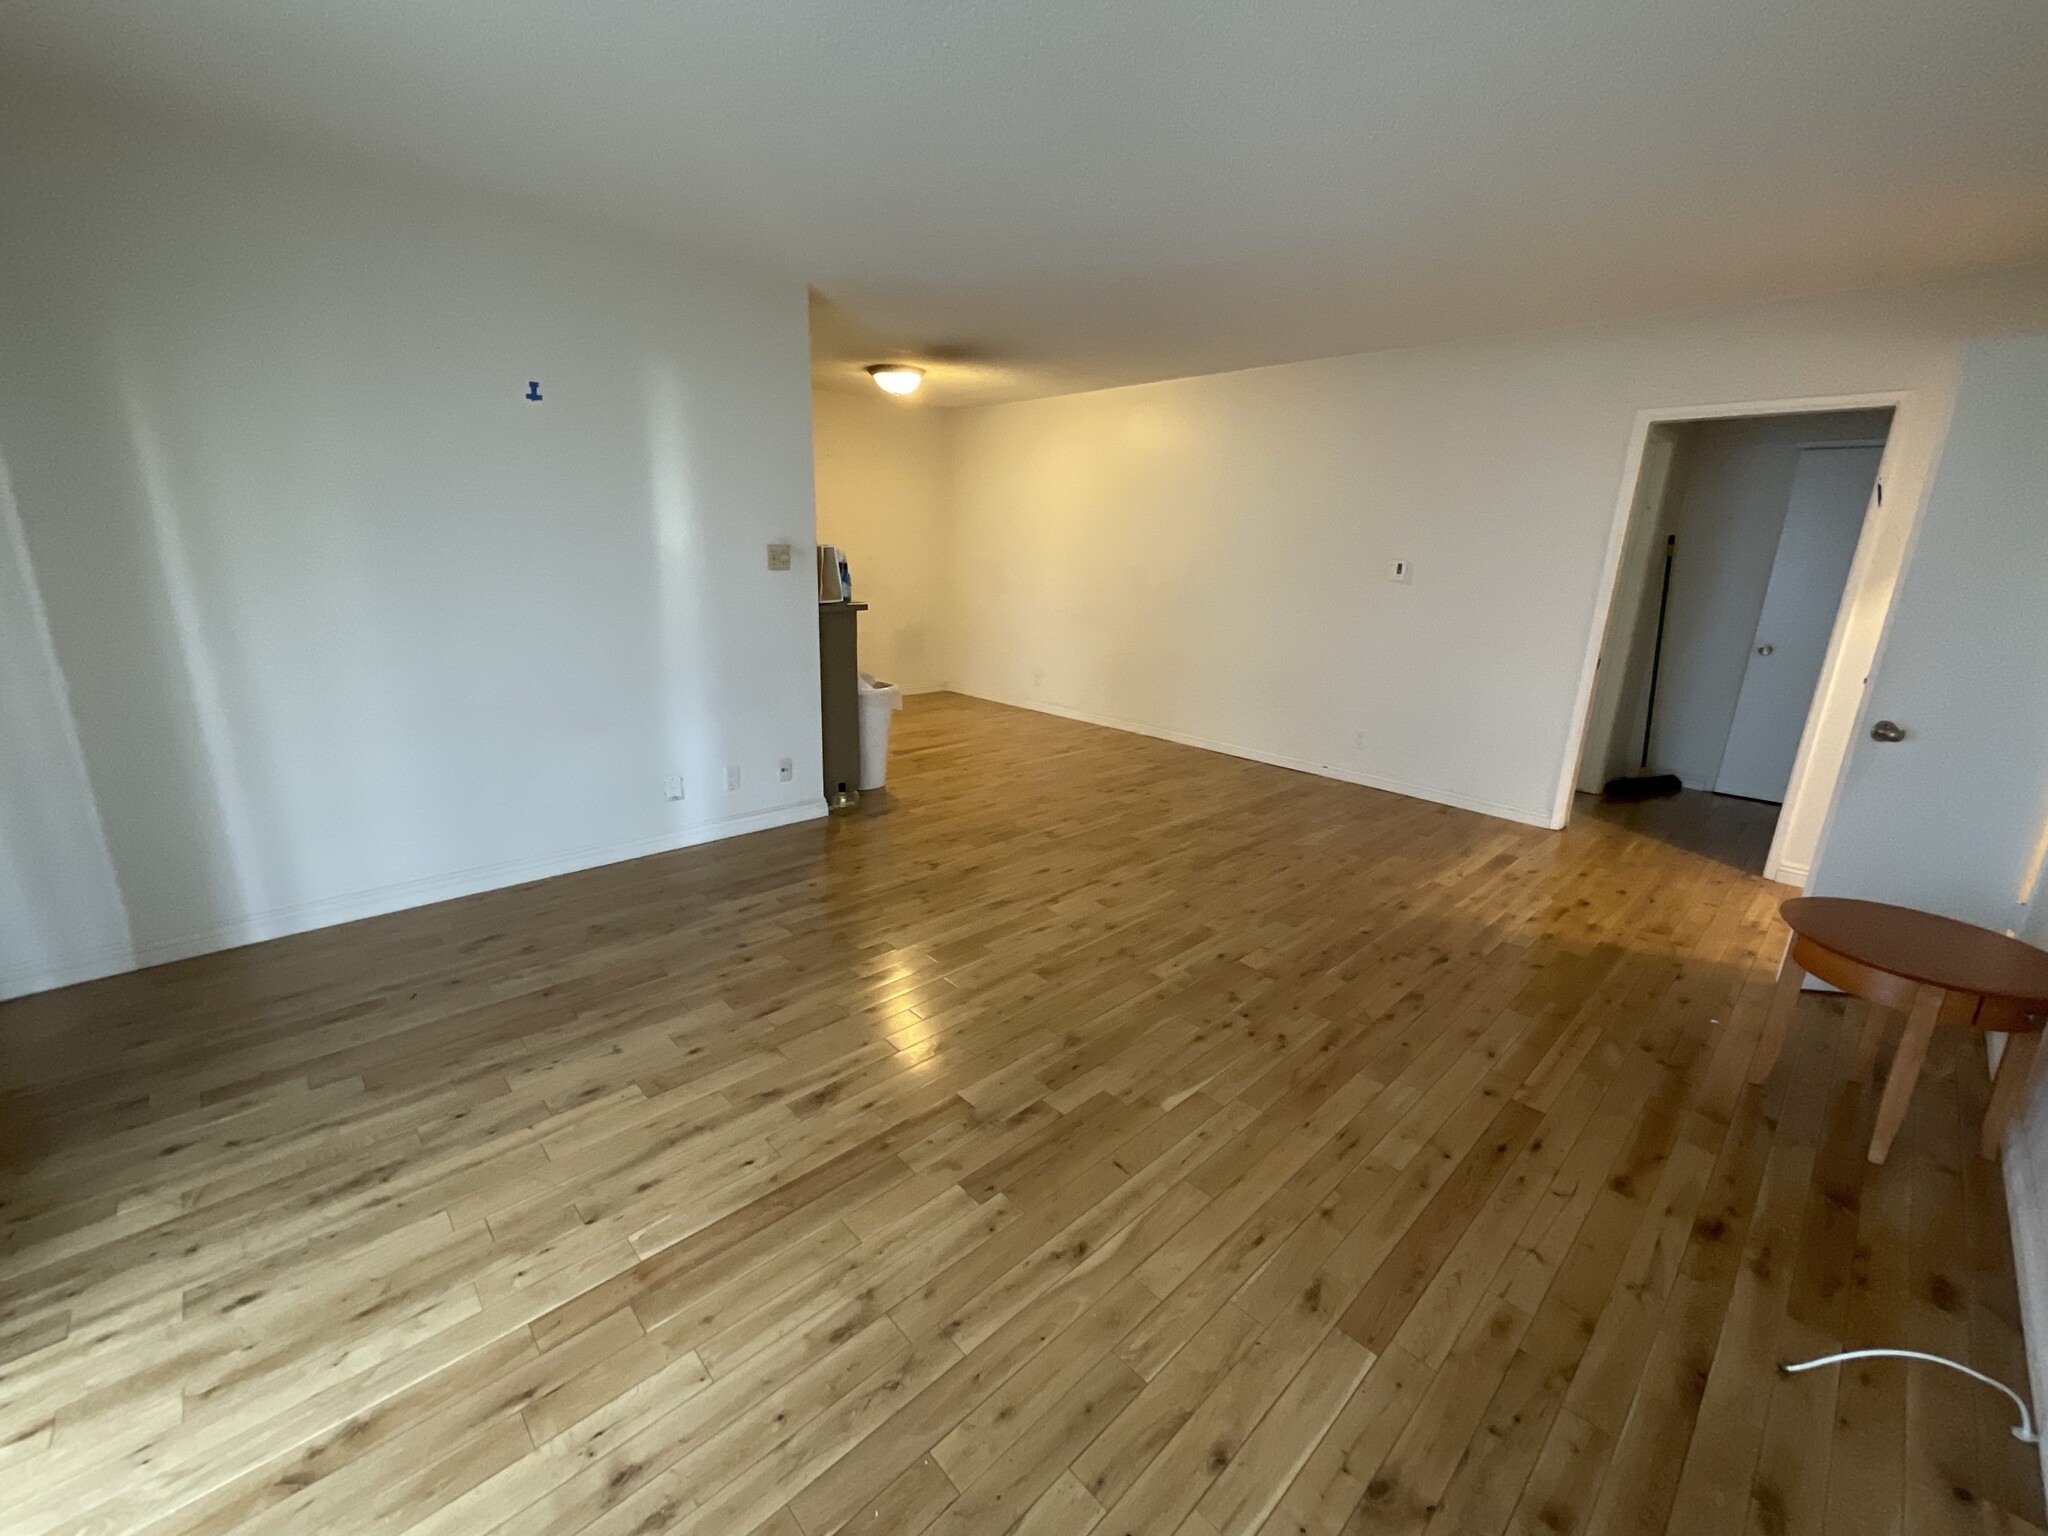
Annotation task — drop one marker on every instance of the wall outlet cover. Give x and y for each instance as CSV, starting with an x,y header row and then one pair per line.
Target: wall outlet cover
x,y
778,557
672,786
787,767
732,777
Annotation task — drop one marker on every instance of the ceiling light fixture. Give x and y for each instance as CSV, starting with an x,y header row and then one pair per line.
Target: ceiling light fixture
x,y
896,378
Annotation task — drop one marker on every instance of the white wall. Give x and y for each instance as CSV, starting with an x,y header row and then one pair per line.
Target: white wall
x,y
305,613
1202,559
2025,1165
881,471
1736,485
1954,818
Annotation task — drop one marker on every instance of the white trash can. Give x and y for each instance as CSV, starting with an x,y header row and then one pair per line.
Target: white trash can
x,y
877,702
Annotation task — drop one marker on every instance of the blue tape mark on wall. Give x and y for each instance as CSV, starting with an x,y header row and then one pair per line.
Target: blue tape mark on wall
x,y
533,389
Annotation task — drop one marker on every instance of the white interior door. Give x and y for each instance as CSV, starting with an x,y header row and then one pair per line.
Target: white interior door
x,y
1831,489
1949,818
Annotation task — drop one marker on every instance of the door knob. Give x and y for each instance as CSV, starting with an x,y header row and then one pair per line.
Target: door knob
x,y
1887,730
1765,650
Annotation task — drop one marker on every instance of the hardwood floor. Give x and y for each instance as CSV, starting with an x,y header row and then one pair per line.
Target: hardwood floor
x,y
1101,1135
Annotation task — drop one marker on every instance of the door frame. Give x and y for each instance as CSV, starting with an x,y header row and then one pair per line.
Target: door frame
x,y
1846,666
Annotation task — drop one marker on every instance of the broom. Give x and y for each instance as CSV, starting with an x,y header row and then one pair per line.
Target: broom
x,y
1643,784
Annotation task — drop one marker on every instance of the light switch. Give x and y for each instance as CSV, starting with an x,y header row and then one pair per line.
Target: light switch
x,y
1400,570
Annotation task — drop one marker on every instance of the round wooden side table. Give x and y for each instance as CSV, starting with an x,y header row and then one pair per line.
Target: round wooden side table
x,y
1934,970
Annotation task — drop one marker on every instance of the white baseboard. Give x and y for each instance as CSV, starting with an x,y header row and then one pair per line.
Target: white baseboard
x,y
1787,873
327,911
1274,759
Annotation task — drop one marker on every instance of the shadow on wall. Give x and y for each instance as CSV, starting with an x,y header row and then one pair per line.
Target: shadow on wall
x,y
214,789
141,805
58,887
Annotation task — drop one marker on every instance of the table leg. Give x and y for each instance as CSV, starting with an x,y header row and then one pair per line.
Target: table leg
x,y
2009,1093
1898,1088
1876,1023
1778,1022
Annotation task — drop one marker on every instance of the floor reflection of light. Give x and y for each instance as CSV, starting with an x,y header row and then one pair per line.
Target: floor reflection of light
x,y
918,1047
914,1036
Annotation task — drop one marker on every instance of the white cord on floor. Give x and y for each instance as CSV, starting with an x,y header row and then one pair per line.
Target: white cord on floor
x,y
2022,1431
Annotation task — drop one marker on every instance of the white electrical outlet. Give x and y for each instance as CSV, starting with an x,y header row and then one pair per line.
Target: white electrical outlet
x,y
1358,740
778,557
732,777
672,786
788,769
1401,570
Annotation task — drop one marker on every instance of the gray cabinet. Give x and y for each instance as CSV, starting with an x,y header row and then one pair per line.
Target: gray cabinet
x,y
839,699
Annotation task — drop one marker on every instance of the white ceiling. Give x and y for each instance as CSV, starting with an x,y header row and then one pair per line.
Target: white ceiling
x,y
1054,194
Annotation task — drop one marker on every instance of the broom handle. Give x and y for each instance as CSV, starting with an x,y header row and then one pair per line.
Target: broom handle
x,y
1657,651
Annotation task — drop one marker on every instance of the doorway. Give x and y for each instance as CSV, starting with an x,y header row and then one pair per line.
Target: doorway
x,y
1742,535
